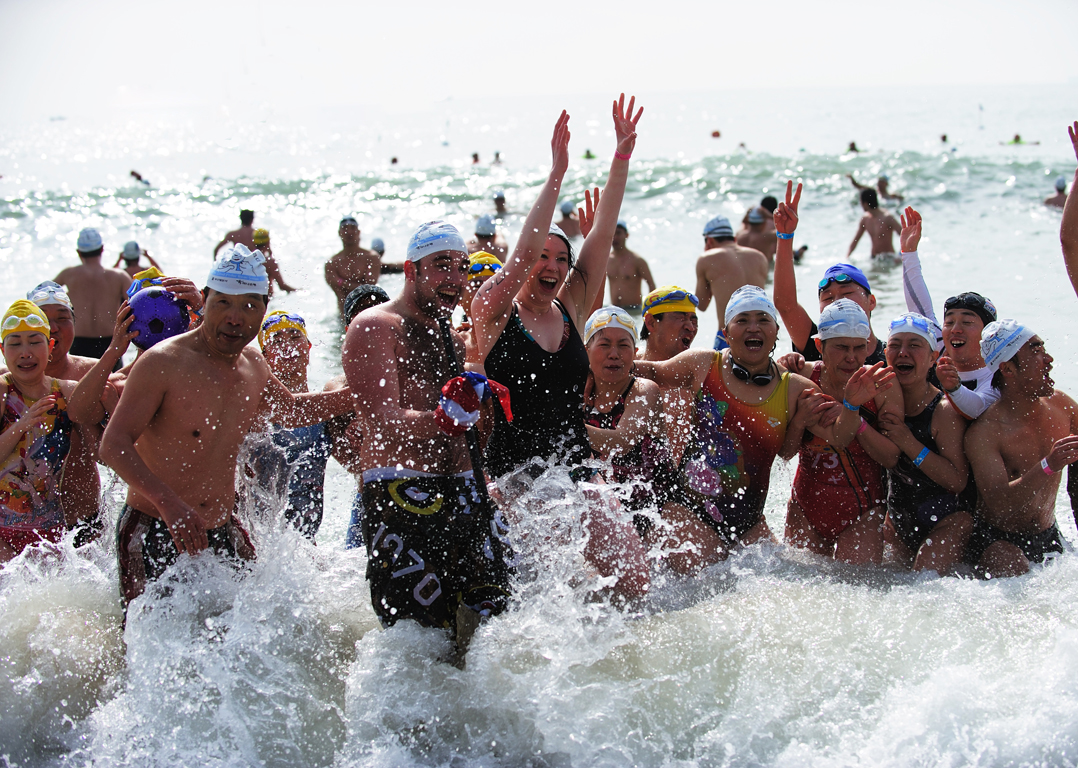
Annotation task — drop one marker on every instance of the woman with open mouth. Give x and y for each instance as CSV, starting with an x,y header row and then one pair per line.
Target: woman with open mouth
x,y
930,528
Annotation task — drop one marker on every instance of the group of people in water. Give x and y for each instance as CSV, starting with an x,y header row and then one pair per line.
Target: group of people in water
x,y
943,438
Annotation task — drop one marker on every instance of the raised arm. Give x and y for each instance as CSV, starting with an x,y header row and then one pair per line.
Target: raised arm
x,y
855,182
587,279
794,317
913,282
493,302
1068,227
87,403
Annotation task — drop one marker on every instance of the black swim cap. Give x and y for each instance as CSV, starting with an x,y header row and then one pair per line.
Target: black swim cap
x,y
364,293
975,303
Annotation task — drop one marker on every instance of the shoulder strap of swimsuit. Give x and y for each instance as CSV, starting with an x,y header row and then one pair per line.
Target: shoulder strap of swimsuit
x,y
632,380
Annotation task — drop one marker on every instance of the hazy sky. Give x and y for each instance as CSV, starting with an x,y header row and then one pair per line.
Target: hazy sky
x,y
71,56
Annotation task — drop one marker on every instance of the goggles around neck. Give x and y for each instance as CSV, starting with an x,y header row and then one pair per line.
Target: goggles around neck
x,y
741,373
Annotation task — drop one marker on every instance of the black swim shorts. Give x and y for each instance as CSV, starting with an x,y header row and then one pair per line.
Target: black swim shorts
x,y
1033,545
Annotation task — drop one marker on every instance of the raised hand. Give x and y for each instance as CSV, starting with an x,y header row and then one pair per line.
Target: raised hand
x,y
1073,133
586,215
122,335
184,290
910,237
559,144
866,383
1064,452
792,362
947,374
786,213
625,124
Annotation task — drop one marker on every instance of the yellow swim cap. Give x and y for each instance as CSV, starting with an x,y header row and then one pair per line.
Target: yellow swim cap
x,y
669,298
483,264
261,236
280,320
23,316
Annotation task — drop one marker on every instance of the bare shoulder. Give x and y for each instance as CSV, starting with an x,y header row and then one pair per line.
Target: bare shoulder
x,y
798,383
947,413
67,387
646,388
1063,402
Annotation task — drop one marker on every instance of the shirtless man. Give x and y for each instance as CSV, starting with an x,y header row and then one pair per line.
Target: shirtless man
x,y
175,434
880,226
1017,450
130,256
352,266
499,205
569,223
766,208
487,238
262,243
724,267
757,235
1059,199
434,547
881,187
96,293
245,235
625,270
670,326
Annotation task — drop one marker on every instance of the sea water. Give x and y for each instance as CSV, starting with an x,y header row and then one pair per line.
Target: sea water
x,y
773,657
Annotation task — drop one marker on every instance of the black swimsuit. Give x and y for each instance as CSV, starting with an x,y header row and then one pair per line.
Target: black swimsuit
x,y
547,393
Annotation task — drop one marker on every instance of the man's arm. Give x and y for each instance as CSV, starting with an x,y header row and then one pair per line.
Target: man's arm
x,y
688,369
133,415
87,403
855,183
645,274
857,237
703,285
794,317
1068,227
306,408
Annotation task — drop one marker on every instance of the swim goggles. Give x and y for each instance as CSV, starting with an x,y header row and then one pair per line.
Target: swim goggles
x,y
475,269
911,322
43,296
24,316
841,279
603,318
742,373
676,300
11,322
280,320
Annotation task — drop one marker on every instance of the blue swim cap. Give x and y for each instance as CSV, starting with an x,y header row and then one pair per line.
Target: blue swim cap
x,y
844,273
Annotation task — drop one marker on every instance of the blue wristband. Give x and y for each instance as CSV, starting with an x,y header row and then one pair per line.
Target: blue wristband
x,y
846,404
784,236
921,457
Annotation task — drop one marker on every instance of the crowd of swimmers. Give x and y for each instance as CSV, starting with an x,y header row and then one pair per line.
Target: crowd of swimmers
x,y
943,440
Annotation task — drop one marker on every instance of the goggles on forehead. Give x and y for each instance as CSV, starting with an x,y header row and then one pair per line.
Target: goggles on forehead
x,y
11,322
678,295
920,323
475,269
51,294
613,318
277,317
840,279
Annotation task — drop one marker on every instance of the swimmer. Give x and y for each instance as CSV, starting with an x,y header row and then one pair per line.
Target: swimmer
x,y
569,223
766,208
881,227
499,204
625,271
881,187
438,551
724,267
756,234
130,256
481,267
35,435
175,444
138,177
262,244
497,159
1017,451
623,415
487,238
475,158
353,265
746,407
924,510
96,292
1068,226
1059,199
245,235
1017,141
838,505
840,281
852,147
670,327
283,340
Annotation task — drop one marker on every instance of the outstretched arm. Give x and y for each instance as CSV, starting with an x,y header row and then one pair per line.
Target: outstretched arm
x,y
1068,228
86,405
913,282
855,183
587,279
794,317
306,408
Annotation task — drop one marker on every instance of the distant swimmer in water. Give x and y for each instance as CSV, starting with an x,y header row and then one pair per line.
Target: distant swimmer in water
x,y
438,549
353,265
475,158
588,154
724,267
245,235
1018,140
852,147
388,267
497,159
96,293
1059,199
882,187
1068,226
670,327
1017,450
499,204
176,443
131,255
880,226
138,177
262,244
626,270
755,234
569,223
487,238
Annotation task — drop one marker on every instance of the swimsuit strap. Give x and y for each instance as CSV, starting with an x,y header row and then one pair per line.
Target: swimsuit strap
x,y
565,326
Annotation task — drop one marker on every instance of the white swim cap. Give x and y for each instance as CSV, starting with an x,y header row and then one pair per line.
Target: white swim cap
x,y
749,298
911,322
844,319
131,251
568,207
89,240
238,271
1001,340
379,246
434,237
486,227
612,317
1061,183
47,293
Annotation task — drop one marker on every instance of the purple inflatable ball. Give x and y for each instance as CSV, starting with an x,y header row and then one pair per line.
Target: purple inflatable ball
x,y
158,316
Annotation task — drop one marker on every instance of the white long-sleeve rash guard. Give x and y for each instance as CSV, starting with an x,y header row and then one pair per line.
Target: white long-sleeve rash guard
x,y
976,392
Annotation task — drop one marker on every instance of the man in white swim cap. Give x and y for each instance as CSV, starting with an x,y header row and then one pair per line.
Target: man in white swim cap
x,y
425,525
1017,450
198,396
353,265
724,267
568,222
1059,199
487,238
